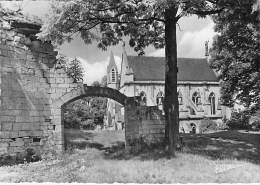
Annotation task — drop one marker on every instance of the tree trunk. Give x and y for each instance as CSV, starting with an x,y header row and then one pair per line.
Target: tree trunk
x,y
171,105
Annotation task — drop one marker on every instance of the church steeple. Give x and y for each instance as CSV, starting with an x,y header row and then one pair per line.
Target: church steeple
x,y
112,73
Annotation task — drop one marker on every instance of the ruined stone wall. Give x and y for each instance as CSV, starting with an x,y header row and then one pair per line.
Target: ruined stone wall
x,y
144,126
29,86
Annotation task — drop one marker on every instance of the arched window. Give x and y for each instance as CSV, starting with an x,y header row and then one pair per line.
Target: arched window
x,y
159,98
196,98
143,98
113,75
193,128
180,97
212,103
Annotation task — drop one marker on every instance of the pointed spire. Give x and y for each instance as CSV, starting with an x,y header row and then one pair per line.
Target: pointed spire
x,y
112,63
112,59
129,70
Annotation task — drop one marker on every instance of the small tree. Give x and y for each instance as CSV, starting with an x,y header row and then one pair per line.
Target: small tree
x,y
72,67
96,84
104,81
75,70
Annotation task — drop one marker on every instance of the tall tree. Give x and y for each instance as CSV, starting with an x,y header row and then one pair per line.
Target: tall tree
x,y
236,53
145,22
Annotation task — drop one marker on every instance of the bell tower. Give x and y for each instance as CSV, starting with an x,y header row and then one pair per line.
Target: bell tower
x,y
112,73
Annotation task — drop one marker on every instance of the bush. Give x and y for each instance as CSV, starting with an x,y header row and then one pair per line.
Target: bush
x,y
19,158
72,122
239,120
88,124
255,125
207,125
254,121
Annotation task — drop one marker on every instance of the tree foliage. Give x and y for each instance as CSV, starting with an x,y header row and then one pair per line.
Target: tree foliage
x,y
108,21
73,67
145,22
236,53
88,108
104,81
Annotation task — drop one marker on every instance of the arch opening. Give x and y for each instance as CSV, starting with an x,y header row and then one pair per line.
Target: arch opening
x,y
87,113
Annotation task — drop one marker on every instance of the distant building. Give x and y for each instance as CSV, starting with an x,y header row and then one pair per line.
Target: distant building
x,y
198,88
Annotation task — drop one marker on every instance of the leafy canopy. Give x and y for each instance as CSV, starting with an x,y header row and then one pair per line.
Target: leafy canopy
x,y
108,21
236,53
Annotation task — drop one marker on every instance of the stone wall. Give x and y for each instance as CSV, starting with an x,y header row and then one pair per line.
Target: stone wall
x,y
30,83
144,126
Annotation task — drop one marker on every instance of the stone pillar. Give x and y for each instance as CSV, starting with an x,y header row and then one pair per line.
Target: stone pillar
x,y
144,126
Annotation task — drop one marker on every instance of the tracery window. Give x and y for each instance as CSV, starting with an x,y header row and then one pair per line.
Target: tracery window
x,y
180,98
143,98
159,98
212,102
196,98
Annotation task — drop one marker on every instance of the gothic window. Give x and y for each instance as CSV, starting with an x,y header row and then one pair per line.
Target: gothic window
x,y
159,98
196,98
219,104
180,98
113,75
143,98
212,103
193,128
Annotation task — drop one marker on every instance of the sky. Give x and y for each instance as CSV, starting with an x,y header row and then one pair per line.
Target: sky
x,y
192,33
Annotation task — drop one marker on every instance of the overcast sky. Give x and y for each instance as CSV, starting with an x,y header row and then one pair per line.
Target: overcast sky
x,y
191,36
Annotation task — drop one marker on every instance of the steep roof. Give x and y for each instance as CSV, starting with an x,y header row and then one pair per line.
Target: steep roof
x,y
153,69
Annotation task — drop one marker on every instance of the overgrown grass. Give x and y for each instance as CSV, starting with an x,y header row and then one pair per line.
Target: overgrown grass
x,y
100,164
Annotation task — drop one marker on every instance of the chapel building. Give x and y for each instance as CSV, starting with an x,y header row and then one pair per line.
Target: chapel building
x,y
198,89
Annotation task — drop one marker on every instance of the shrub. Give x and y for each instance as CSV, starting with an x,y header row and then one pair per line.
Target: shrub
x,y
72,122
255,125
207,125
239,120
254,121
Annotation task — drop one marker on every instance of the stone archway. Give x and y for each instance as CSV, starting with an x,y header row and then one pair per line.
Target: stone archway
x,y
85,90
78,93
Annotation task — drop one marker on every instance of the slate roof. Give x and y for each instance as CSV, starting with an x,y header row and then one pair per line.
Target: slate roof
x,y
153,69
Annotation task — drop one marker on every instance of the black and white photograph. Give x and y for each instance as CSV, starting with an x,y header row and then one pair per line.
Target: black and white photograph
x,y
130,91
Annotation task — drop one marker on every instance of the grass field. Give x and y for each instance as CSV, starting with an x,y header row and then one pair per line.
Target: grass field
x,y
98,157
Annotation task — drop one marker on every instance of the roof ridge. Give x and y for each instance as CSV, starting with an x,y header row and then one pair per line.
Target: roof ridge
x,y
164,57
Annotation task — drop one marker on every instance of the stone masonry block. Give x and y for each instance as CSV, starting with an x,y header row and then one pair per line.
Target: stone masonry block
x,y
3,148
18,142
60,80
7,126
17,126
13,134
15,149
26,126
37,133
24,133
7,118
4,134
